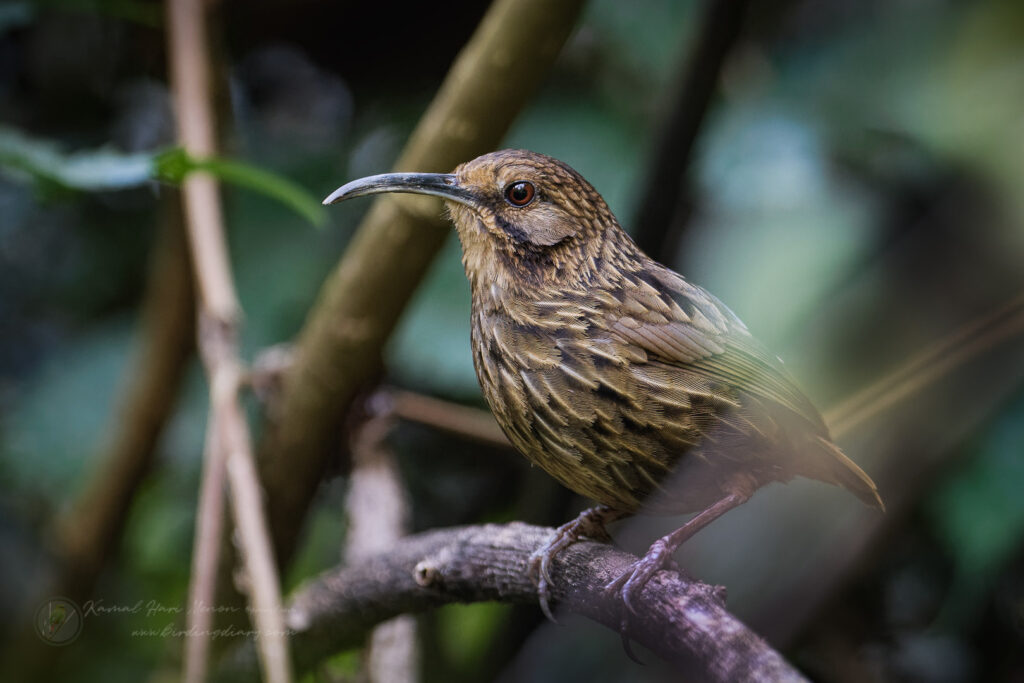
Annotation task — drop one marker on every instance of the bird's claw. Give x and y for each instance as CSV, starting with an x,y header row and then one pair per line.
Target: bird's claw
x,y
589,523
539,571
621,587
627,643
631,583
540,564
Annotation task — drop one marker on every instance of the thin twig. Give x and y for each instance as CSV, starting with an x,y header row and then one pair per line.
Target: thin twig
x,y
218,329
464,421
266,376
938,360
683,622
206,558
894,419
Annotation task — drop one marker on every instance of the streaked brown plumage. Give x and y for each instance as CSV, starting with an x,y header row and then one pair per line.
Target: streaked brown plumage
x,y
622,380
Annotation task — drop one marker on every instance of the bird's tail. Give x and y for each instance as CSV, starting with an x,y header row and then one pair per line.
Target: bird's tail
x,y
844,472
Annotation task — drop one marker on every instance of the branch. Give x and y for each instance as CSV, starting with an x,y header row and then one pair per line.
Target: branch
x,y
928,367
378,515
462,421
228,432
683,622
89,532
338,351
206,559
268,370
663,184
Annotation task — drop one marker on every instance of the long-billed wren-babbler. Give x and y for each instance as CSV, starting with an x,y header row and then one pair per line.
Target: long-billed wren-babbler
x,y
617,376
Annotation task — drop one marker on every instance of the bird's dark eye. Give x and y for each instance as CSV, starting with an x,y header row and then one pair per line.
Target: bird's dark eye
x,y
520,193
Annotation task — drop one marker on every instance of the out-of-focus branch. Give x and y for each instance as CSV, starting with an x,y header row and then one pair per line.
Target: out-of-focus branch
x,y
206,558
378,511
228,436
338,350
929,366
683,622
88,533
476,424
981,359
663,189
464,421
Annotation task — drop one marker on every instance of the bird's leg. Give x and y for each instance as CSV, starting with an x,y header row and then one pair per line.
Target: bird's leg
x,y
659,555
589,524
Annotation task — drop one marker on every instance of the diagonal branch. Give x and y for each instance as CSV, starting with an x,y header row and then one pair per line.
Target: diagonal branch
x,y
228,439
338,351
89,532
206,559
684,622
927,367
663,190
91,529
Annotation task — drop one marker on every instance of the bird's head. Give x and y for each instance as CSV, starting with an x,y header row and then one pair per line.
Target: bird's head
x,y
523,218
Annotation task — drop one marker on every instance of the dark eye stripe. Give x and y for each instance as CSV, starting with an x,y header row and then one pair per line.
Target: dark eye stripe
x,y
511,229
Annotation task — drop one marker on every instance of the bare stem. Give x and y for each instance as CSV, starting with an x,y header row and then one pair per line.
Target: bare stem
x,y
90,530
230,442
471,423
935,362
88,533
205,559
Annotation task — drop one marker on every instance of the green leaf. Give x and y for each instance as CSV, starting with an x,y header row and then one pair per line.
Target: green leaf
x,y
174,165
98,170
41,161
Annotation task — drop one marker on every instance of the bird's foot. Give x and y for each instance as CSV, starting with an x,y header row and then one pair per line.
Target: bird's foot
x,y
631,583
589,524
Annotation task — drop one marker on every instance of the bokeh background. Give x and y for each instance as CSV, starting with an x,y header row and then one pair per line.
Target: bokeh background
x,y
854,194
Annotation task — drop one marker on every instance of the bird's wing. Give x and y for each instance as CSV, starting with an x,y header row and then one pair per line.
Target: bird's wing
x,y
679,324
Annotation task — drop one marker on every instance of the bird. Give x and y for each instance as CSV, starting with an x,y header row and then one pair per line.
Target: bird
x,y
617,376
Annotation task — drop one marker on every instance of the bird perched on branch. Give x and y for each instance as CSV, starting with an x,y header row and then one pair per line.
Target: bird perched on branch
x,y
617,376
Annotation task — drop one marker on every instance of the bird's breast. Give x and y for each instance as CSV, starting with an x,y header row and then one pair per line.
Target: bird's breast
x,y
581,404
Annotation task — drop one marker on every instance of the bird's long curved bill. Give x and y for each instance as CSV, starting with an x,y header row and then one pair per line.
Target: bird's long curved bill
x,y
444,185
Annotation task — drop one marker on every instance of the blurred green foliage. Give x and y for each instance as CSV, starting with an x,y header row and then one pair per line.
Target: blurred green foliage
x,y
106,170
979,513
